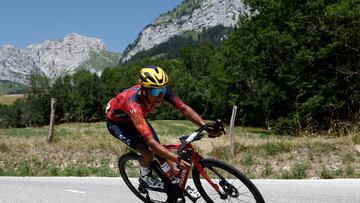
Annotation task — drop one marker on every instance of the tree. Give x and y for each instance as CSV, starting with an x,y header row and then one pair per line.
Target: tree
x,y
36,109
88,96
295,60
63,90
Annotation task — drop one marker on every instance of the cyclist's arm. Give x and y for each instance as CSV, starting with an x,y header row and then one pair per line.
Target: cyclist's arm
x,y
144,129
186,110
190,114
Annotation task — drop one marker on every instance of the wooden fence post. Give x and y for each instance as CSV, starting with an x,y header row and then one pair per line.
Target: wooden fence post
x,y
232,131
52,119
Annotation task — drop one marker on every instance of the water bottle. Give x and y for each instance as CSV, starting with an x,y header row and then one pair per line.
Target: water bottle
x,y
169,173
176,169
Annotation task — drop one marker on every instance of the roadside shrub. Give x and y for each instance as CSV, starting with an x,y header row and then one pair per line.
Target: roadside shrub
x,y
267,170
326,173
272,149
284,126
247,159
4,148
297,171
219,153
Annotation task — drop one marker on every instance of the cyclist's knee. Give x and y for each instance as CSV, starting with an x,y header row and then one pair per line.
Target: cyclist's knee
x,y
144,150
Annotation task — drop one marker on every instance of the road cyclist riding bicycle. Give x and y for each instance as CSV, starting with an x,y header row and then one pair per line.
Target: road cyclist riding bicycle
x,y
126,120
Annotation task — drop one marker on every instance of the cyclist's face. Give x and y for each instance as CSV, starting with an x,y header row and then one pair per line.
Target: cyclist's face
x,y
155,96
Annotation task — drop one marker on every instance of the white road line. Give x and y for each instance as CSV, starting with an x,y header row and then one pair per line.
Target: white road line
x,y
75,191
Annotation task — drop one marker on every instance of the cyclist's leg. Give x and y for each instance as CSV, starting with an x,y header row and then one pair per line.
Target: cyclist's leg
x,y
128,133
156,137
146,155
123,132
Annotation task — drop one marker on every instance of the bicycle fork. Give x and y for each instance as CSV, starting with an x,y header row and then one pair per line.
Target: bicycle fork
x,y
225,185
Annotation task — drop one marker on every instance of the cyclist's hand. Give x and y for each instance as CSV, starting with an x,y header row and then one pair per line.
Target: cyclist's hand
x,y
216,129
215,133
184,164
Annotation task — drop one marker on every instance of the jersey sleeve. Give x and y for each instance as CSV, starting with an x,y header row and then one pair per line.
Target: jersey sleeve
x,y
174,100
137,117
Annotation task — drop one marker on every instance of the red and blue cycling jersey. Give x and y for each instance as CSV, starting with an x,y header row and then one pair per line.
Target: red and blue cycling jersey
x,y
127,107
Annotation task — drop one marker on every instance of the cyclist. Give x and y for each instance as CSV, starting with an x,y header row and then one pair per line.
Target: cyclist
x,y
126,120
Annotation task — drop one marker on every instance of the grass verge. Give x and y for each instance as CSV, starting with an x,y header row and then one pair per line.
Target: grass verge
x,y
87,149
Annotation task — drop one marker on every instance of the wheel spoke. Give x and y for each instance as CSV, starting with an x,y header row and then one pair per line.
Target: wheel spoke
x,y
230,184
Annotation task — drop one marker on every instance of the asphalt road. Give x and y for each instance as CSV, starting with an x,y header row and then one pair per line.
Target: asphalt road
x,y
94,189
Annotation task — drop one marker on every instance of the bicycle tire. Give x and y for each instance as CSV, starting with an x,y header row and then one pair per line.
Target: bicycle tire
x,y
206,163
122,161
135,157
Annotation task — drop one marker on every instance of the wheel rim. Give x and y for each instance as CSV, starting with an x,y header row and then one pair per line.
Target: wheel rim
x,y
231,188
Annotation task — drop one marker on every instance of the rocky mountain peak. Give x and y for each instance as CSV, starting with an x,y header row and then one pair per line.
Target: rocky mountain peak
x,y
191,15
53,58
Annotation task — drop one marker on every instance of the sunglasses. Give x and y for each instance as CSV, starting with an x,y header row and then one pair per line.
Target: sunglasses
x,y
157,91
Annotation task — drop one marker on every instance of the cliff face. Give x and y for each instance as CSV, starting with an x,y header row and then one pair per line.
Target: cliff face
x,y
51,58
191,15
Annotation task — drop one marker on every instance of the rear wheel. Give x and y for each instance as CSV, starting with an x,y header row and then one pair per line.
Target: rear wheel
x,y
129,171
233,185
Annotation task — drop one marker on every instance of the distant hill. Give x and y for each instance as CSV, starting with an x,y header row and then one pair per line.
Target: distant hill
x,y
8,87
55,58
170,49
191,16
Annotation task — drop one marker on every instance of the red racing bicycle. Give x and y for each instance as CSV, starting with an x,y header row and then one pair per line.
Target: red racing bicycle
x,y
215,180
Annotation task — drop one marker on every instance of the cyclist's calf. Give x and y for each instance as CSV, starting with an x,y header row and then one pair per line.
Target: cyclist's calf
x,y
146,155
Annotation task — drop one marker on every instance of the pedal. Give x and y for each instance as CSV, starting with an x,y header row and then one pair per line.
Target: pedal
x,y
193,194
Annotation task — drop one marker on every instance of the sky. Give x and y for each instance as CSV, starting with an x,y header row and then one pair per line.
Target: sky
x,y
116,22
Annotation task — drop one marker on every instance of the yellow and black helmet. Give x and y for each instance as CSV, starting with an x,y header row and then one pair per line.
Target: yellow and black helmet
x,y
153,77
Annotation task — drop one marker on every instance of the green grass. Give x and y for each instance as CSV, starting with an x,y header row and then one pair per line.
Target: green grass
x,y
173,128
275,148
24,132
185,8
297,171
101,60
267,171
248,159
87,149
10,98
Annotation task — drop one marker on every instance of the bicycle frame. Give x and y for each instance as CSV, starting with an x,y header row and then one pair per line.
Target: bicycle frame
x,y
196,158
185,151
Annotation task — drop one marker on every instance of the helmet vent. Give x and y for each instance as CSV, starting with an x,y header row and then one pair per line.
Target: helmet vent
x,y
148,76
142,78
160,80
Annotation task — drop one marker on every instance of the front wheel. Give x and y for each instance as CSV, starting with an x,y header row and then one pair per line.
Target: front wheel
x,y
233,185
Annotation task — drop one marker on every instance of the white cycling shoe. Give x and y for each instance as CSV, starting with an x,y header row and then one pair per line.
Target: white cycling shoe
x,y
193,192
152,181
